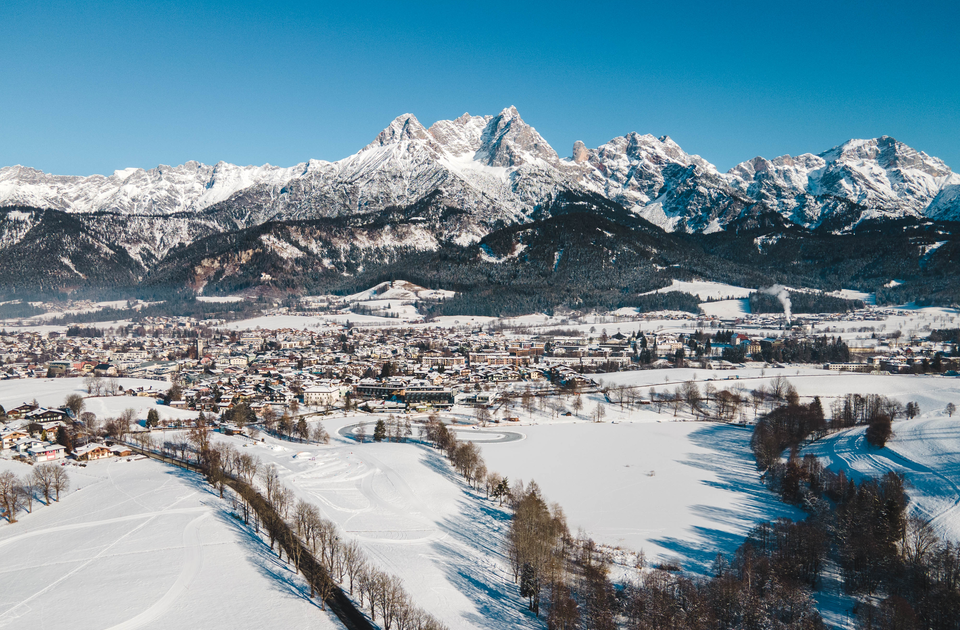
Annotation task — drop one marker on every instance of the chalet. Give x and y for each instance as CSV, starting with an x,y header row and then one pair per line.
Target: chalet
x,y
19,412
92,451
9,438
47,415
45,430
120,450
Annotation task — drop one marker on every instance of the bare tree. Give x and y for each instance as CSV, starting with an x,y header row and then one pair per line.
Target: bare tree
x,y
691,395
61,481
778,388
320,434
577,405
599,413
757,398
127,417
919,539
271,481
43,479
676,401
526,401
75,403
482,414
9,495
199,437
27,491
269,419
91,424
354,561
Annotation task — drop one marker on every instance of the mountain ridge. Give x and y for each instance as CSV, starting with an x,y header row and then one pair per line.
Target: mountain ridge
x,y
419,195
503,161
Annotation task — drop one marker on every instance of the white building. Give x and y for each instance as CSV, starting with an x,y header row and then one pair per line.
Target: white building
x,y
47,452
321,396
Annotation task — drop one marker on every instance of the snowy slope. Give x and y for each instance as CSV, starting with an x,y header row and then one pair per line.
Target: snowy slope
x,y
413,518
138,544
925,450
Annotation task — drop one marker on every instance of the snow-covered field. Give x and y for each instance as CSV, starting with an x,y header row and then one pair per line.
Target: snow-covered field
x,y
679,491
52,392
704,290
414,518
139,544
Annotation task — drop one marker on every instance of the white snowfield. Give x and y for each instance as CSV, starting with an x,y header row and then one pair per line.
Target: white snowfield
x,y
679,491
139,544
413,517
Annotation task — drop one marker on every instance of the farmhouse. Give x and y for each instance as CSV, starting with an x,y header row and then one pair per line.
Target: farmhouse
x,y
9,438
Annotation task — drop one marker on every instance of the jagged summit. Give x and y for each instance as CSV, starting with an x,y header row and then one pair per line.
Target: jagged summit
x,y
497,169
405,127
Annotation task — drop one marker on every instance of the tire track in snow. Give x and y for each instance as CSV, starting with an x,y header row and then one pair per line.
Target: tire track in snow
x,y
109,521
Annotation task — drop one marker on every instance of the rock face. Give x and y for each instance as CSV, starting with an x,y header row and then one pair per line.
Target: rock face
x,y
857,181
463,178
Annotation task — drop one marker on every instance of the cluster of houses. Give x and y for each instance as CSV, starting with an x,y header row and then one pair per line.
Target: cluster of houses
x,y
333,364
34,430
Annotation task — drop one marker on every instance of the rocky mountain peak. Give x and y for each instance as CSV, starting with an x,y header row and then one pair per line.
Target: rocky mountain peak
x,y
508,141
405,127
460,136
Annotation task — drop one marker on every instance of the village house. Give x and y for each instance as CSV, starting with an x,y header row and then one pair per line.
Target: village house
x,y
47,452
92,451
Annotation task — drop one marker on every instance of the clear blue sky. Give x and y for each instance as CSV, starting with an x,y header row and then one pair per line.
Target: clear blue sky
x,y
90,87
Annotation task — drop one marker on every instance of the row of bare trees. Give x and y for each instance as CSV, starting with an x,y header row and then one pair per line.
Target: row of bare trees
x,y
18,493
343,561
331,560
378,592
291,428
466,459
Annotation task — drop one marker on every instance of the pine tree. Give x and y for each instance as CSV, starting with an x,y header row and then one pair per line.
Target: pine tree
x,y
379,431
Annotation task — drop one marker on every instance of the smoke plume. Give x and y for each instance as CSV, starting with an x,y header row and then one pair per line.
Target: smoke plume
x,y
780,292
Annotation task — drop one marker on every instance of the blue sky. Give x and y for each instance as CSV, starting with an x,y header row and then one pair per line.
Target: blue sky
x,y
90,87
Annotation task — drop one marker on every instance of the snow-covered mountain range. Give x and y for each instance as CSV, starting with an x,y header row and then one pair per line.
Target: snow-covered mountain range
x,y
416,191
498,170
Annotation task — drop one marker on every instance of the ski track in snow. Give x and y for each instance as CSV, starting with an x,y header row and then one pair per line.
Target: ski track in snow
x,y
22,607
193,560
934,493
